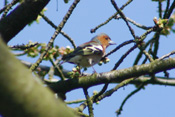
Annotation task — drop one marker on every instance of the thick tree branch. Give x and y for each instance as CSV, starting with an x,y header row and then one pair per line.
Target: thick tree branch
x,y
142,79
22,15
22,95
116,76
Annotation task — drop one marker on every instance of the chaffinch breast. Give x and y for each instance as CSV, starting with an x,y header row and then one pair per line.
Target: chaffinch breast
x,y
89,53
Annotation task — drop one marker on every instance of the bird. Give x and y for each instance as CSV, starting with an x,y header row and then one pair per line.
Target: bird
x,y
89,53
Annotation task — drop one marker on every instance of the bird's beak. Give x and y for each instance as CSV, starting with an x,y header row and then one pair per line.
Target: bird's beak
x,y
112,43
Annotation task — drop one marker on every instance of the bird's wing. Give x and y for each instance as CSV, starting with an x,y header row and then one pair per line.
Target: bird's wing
x,y
93,49
85,49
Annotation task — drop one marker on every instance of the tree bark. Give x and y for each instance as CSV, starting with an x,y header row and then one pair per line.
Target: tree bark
x,y
21,95
22,15
118,76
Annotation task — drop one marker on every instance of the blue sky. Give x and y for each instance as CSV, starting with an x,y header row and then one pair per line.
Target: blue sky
x,y
154,100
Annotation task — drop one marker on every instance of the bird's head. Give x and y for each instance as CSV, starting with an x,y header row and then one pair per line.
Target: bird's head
x,y
104,40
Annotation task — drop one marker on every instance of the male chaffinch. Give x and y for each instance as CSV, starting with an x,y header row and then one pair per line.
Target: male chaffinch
x,y
89,53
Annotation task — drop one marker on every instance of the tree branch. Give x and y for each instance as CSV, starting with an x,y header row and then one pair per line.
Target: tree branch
x,y
135,23
21,93
89,103
117,76
55,27
123,17
110,18
169,12
124,101
57,31
124,56
23,14
8,5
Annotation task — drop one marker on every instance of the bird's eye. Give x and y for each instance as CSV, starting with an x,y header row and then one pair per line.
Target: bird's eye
x,y
106,38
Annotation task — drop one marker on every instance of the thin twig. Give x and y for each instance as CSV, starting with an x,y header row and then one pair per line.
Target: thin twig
x,y
144,61
160,8
166,10
156,38
76,101
111,91
79,113
57,31
167,55
153,55
69,38
135,23
118,47
81,107
7,8
55,27
149,51
110,18
94,98
89,103
124,56
141,52
20,54
106,94
148,56
169,12
123,17
58,70
124,101
82,114
143,36
23,46
101,92
47,68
